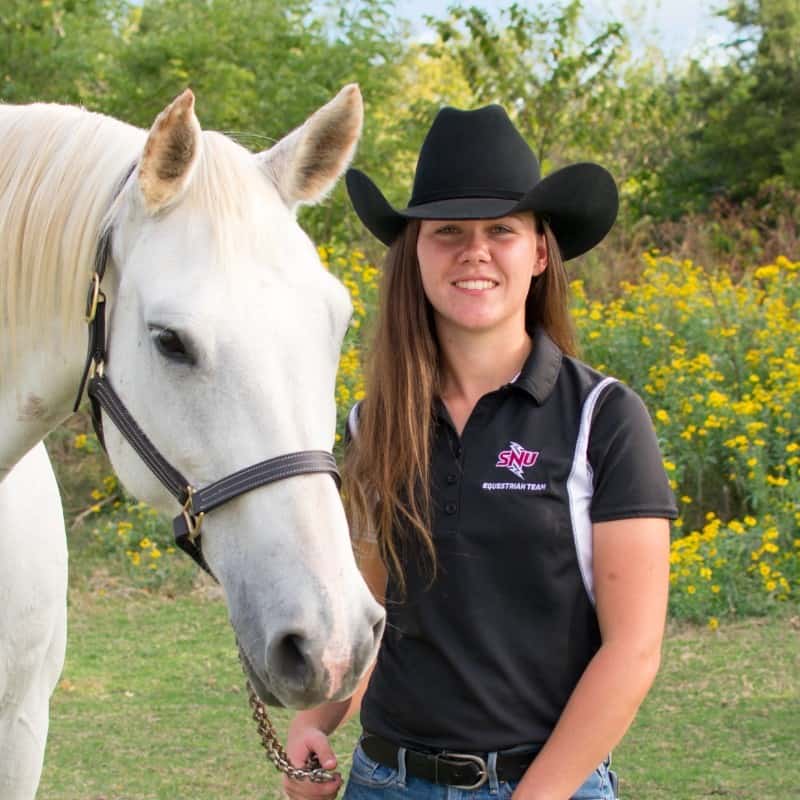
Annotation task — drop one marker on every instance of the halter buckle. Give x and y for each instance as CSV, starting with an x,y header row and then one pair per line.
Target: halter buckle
x,y
91,307
194,522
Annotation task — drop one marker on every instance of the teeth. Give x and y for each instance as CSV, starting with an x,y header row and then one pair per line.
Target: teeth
x,y
475,284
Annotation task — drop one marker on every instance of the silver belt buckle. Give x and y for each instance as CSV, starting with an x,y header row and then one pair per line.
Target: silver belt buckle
x,y
475,760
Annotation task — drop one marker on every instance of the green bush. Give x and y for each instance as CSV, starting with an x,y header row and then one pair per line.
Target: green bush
x,y
716,360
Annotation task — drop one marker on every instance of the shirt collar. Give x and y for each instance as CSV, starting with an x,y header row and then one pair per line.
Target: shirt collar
x,y
540,371
537,376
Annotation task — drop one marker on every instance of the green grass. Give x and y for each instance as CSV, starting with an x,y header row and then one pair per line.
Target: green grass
x,y
152,705
722,718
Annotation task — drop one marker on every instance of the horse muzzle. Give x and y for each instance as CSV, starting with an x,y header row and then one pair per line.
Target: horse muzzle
x,y
300,670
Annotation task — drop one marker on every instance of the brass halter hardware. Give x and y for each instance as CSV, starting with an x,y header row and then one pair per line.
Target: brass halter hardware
x,y
92,310
194,522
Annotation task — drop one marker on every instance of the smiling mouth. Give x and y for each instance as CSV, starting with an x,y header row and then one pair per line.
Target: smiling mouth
x,y
475,284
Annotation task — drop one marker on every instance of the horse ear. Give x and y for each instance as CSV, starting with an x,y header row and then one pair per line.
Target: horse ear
x,y
305,164
170,153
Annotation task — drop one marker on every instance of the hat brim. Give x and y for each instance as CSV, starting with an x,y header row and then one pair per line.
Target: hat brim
x,y
579,201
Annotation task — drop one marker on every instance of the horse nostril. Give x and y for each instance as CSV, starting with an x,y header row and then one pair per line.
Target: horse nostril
x,y
287,658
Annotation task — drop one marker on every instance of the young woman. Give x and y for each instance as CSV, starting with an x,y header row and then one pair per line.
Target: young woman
x,y
512,502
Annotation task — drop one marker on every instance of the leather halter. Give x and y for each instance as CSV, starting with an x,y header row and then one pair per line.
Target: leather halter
x,y
196,502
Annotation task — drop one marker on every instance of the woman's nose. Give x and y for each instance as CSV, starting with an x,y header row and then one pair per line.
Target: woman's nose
x,y
475,247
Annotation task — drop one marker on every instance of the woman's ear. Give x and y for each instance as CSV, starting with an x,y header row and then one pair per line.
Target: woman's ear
x,y
541,259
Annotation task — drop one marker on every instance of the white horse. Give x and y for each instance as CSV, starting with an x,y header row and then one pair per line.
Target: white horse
x,y
224,336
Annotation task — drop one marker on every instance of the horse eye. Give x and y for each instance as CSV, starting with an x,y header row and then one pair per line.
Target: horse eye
x,y
171,346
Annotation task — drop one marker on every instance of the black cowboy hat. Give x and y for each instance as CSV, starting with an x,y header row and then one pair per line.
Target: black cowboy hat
x,y
476,165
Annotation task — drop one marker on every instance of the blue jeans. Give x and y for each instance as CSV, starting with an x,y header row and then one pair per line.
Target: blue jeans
x,y
370,780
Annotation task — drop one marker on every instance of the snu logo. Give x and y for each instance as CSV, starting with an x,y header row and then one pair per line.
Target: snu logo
x,y
516,459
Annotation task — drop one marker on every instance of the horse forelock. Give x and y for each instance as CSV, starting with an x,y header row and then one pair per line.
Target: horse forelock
x,y
230,193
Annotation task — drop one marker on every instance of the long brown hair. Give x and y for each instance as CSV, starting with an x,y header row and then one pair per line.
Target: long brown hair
x,y
386,470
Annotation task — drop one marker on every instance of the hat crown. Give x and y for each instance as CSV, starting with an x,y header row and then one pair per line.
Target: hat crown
x,y
473,154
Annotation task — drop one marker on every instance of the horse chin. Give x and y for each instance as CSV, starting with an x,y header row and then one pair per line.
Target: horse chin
x,y
259,687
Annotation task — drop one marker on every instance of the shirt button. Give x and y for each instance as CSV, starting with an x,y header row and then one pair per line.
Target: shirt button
x,y
451,508
452,478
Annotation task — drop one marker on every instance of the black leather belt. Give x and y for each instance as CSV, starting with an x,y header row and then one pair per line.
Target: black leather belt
x,y
460,770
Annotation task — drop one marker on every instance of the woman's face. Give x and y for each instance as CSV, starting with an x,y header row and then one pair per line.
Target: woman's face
x,y
477,273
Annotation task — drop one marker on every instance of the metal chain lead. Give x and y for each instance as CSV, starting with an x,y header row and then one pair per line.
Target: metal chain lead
x,y
274,749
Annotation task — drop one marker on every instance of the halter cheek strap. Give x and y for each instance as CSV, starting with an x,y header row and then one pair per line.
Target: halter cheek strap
x,y
195,502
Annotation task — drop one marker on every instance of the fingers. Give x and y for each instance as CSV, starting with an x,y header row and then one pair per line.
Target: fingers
x,y
308,742
315,741
306,790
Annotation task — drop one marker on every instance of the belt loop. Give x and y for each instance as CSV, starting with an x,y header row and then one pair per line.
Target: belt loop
x,y
401,767
491,768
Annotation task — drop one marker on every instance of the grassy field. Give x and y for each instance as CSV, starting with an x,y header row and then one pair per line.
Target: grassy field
x,y
151,705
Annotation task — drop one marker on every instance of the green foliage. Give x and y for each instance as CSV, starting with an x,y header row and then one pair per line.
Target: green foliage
x,y
674,138
743,119
716,362
360,279
572,86
259,69
112,537
538,64
137,543
57,50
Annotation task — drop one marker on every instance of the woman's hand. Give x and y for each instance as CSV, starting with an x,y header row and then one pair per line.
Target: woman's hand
x,y
302,742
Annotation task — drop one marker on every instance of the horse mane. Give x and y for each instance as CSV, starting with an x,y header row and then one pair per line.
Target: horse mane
x,y
59,169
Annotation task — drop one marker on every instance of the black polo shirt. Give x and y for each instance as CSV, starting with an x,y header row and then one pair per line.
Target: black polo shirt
x,y
486,657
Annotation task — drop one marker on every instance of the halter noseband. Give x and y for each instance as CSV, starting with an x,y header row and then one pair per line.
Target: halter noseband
x,y
196,502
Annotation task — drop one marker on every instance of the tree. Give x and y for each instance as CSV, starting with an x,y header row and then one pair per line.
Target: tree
x,y
539,65
57,51
574,90
258,68
745,128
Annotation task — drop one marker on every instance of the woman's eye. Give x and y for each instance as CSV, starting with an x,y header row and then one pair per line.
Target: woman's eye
x,y
171,346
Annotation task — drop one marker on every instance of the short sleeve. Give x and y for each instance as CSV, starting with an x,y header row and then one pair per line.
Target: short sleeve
x,y
351,425
628,472
350,434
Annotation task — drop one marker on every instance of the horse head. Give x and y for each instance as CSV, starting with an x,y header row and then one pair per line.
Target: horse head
x,y
224,337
